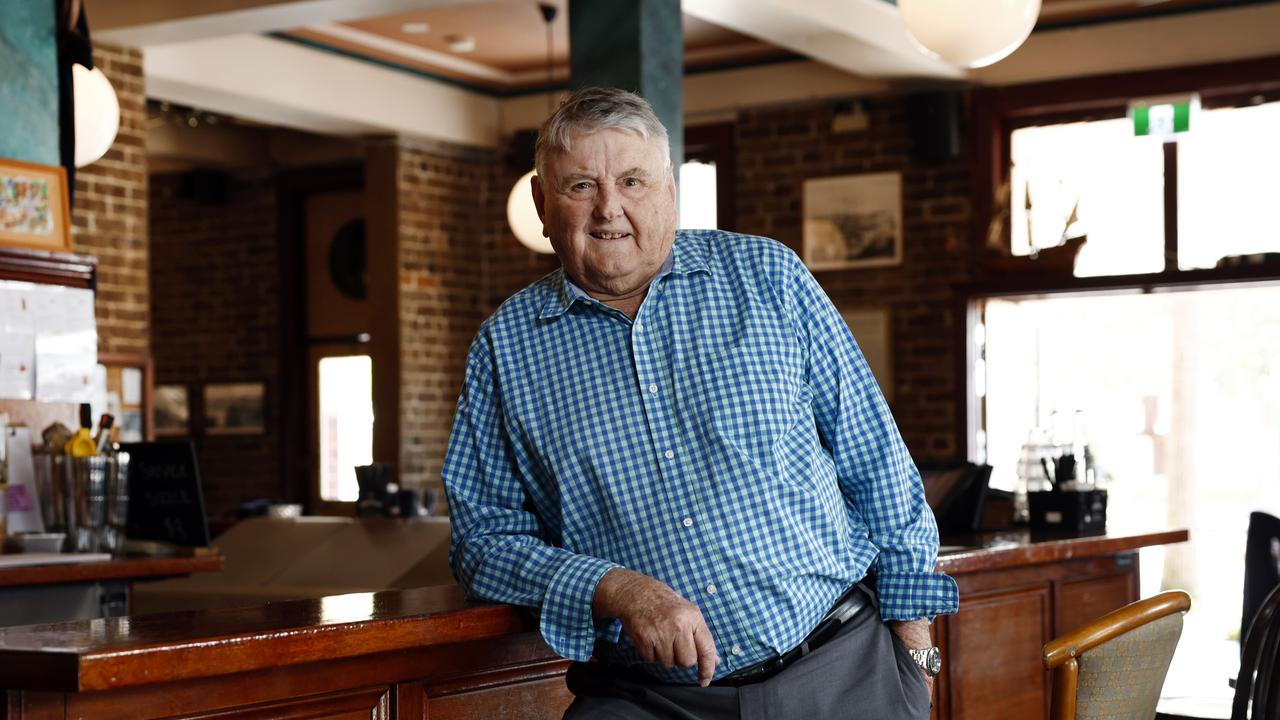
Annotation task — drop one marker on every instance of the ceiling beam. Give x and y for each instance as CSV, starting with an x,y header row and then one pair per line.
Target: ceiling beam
x,y
864,37
282,83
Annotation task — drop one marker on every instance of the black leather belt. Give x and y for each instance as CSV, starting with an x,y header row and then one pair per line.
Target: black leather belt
x,y
845,609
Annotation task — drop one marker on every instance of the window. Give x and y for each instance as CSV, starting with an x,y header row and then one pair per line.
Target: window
x,y
698,195
1097,174
346,424
1180,392
1228,172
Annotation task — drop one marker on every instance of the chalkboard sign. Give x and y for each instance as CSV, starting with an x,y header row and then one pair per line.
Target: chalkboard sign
x,y
165,502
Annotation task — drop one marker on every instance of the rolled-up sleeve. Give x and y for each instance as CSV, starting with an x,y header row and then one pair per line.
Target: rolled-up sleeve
x,y
879,480
500,550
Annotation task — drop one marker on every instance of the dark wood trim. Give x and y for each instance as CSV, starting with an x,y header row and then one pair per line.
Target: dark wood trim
x,y
715,143
1170,150
1045,285
292,190
47,267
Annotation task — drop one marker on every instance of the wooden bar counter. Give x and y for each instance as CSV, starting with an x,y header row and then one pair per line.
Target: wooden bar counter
x,y
431,653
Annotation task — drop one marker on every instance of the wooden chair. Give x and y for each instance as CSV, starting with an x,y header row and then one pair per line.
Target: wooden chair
x,y
1257,686
1114,667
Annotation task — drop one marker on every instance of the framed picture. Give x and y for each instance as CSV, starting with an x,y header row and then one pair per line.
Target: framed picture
x,y
233,409
172,411
853,221
872,328
129,395
34,207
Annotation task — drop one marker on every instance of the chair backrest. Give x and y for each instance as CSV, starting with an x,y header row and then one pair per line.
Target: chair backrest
x,y
1257,687
1114,667
1261,565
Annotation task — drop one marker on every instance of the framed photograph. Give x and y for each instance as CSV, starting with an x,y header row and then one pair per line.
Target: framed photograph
x,y
233,409
34,207
853,221
172,411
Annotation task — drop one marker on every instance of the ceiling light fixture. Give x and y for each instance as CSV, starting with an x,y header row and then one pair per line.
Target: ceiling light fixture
x,y
970,34
522,214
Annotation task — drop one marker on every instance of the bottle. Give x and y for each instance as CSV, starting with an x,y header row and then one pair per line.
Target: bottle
x,y
82,444
103,441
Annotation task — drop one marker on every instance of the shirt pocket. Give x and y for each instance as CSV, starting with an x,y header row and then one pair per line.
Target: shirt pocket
x,y
753,398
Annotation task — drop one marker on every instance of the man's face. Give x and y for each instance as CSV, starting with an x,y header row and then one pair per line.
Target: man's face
x,y
609,207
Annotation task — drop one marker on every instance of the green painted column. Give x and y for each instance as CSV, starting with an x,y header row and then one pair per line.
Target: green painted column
x,y
636,45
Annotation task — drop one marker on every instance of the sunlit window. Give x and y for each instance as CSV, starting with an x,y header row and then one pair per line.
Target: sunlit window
x,y
1180,401
1094,179
698,195
1228,176
346,424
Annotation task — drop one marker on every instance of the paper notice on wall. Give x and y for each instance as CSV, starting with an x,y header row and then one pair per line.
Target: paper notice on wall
x,y
23,501
16,314
17,366
66,345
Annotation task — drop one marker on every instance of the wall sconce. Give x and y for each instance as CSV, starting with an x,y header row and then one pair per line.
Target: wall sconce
x,y
970,34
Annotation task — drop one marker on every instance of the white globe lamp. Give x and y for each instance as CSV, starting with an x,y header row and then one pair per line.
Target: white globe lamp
x,y
970,33
522,216
97,113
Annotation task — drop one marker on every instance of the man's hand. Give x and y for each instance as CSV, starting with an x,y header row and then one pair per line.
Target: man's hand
x,y
665,628
914,634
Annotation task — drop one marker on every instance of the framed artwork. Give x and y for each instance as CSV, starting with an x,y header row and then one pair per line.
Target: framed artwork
x,y
34,207
872,328
853,221
129,395
233,408
172,409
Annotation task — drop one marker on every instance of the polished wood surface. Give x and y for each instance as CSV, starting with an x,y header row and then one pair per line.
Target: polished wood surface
x,y
125,568
984,552
431,653
44,266
123,652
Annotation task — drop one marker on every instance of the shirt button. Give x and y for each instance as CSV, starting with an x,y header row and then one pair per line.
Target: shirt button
x,y
653,388
711,589
687,522
669,454
736,649
639,326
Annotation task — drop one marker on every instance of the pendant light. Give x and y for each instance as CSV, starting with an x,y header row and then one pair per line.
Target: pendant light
x,y
97,109
522,214
969,34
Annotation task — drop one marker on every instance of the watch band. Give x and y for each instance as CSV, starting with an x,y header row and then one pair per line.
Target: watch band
x,y
929,659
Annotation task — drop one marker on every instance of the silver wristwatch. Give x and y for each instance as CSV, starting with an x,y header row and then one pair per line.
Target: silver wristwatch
x,y
929,659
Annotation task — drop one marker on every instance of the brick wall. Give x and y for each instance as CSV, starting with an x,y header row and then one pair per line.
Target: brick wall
x,y
109,217
777,149
216,318
454,251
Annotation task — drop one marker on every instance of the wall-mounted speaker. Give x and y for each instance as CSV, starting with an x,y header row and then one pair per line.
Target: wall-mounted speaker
x,y
934,119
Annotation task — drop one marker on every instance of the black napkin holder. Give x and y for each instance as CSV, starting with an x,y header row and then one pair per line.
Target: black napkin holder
x,y
1068,513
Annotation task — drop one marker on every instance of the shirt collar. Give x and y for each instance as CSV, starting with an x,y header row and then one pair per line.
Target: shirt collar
x,y
688,255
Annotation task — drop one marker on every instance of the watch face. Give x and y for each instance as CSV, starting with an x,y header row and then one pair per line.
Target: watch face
x,y
933,661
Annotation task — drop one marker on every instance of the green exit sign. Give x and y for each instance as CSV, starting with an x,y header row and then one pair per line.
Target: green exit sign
x,y
1165,116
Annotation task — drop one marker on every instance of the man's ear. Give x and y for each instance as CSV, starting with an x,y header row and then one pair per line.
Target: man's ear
x,y
539,201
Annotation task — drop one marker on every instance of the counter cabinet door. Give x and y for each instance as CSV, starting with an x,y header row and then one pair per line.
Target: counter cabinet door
x,y
992,664
195,702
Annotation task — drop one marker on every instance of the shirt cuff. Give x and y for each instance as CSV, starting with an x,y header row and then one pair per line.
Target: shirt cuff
x,y
912,596
566,621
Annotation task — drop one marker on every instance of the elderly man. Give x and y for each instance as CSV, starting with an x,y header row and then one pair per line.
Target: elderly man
x,y
673,448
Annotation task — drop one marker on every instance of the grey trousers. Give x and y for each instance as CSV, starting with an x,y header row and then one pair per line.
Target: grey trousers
x,y
862,672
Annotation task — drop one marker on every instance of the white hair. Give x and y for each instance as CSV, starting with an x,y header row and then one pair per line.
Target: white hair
x,y
593,109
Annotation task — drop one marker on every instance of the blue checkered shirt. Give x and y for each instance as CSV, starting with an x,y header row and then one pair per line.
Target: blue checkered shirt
x,y
730,442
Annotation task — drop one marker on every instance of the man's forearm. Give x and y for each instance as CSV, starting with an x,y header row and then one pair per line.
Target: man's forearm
x,y
914,633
